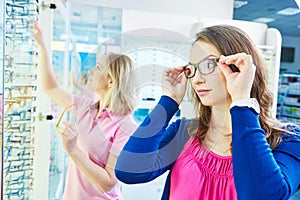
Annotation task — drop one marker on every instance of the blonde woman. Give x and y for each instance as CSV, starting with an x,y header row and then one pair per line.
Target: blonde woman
x,y
101,127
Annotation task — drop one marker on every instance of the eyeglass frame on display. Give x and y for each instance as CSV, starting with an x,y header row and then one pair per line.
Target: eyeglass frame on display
x,y
57,125
26,9
10,76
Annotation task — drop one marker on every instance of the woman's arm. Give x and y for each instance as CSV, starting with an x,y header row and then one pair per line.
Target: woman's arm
x,y
153,148
48,80
102,178
259,172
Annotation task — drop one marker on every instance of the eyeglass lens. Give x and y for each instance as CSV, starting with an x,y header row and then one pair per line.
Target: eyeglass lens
x,y
205,67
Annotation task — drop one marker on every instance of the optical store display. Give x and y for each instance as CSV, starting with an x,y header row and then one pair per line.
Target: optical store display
x,y
89,38
289,98
19,98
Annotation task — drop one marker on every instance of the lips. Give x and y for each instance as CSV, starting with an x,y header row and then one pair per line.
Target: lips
x,y
203,92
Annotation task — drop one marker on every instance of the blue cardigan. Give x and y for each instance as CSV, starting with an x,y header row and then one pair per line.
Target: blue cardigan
x,y
259,172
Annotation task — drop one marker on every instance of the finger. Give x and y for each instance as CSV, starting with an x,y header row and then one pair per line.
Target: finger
x,y
240,60
36,27
180,77
244,63
175,70
183,79
171,80
225,69
172,77
179,69
61,134
68,124
70,131
231,59
68,134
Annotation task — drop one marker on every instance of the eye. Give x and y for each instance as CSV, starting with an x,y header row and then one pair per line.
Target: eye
x,y
210,63
98,66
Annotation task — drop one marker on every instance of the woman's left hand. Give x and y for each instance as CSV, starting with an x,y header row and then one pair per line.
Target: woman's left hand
x,y
239,84
69,137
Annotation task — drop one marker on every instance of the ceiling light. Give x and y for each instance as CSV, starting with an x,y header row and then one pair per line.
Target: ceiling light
x,y
298,3
239,4
264,20
289,11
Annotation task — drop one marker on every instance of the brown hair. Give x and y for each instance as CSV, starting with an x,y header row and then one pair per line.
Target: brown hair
x,y
230,40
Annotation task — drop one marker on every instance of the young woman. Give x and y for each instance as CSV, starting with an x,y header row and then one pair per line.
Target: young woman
x,y
234,149
101,127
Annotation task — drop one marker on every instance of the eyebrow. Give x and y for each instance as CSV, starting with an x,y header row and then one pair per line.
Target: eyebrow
x,y
98,65
207,57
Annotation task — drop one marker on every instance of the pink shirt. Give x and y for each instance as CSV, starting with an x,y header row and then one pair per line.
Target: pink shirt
x,y
200,174
97,138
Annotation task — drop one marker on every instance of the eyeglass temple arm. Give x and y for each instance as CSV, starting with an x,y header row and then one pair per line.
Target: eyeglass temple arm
x,y
62,114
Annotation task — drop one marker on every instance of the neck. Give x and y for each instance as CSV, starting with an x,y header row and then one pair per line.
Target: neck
x,y
221,119
103,101
218,136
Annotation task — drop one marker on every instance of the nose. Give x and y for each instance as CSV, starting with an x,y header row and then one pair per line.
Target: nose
x,y
198,78
90,72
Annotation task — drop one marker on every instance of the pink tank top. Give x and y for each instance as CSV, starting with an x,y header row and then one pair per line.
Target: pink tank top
x,y
200,174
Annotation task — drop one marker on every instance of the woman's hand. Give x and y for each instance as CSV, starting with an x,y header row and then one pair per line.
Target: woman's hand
x,y
69,137
174,83
239,84
38,36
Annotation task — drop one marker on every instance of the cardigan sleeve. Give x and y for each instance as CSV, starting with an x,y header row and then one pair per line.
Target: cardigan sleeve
x,y
154,146
259,172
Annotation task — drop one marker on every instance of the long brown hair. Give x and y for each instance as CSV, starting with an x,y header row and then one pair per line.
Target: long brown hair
x,y
230,40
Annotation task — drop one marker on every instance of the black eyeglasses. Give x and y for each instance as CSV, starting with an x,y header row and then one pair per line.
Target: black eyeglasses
x,y
205,66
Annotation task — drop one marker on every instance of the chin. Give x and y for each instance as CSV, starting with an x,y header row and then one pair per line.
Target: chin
x,y
206,101
90,87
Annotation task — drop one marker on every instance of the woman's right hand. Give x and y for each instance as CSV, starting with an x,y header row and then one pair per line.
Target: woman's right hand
x,y
38,36
174,83
49,84
69,137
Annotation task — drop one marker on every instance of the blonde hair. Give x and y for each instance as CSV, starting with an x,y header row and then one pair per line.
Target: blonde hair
x,y
231,40
123,95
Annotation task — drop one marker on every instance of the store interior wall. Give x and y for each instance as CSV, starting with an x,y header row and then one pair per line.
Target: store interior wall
x,y
198,9
293,67
1,45
1,89
201,8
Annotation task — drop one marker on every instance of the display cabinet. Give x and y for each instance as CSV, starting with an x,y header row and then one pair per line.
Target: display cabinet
x,y
33,158
288,106
20,100
2,3
74,51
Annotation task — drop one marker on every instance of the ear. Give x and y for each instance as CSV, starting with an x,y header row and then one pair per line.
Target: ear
x,y
109,81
